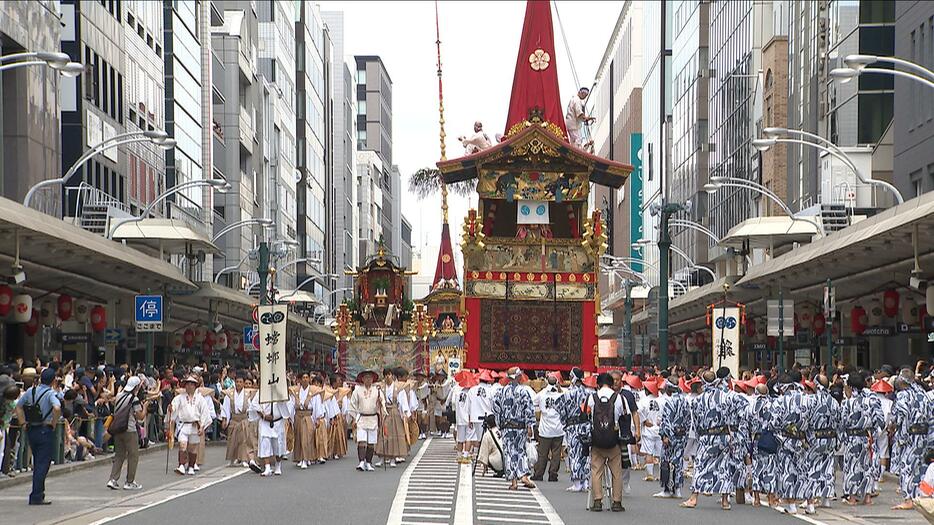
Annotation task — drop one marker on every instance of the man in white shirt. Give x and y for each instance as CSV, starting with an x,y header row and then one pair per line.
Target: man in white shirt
x,y
650,411
190,414
476,142
367,405
550,429
604,449
272,442
481,405
461,403
575,117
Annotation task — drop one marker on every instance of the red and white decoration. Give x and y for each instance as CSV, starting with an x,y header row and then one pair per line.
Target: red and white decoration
x,y
32,325
890,299
176,342
221,342
805,317
200,333
909,310
6,300
22,308
65,304
188,337
98,318
858,319
875,312
46,313
820,324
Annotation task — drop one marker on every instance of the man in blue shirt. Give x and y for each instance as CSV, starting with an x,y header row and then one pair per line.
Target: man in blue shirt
x,y
40,430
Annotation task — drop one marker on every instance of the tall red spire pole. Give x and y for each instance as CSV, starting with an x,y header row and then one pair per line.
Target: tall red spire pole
x,y
441,134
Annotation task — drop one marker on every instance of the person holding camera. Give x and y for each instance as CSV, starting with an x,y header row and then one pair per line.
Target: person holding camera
x,y
129,412
39,409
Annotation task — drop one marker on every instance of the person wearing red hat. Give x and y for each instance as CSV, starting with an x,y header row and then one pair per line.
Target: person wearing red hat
x,y
650,411
882,390
481,405
576,425
460,401
515,416
673,430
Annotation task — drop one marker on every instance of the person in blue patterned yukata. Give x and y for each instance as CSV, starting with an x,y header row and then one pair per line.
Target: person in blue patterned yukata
x,y
515,416
791,420
822,443
759,420
674,428
714,464
576,426
740,439
912,417
860,417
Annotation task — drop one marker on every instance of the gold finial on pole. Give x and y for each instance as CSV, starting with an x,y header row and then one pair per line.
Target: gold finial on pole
x,y
441,134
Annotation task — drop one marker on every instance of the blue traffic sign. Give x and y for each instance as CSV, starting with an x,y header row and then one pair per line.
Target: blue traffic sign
x,y
149,313
251,336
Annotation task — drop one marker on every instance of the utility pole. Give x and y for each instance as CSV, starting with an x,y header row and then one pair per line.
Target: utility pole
x,y
263,271
627,327
664,254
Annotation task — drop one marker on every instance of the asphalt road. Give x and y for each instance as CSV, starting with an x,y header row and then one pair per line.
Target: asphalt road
x,y
428,489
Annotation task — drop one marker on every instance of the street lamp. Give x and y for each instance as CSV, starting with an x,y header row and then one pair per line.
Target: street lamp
x,y
268,223
308,280
58,61
696,226
858,64
157,137
775,135
218,184
638,245
718,182
665,210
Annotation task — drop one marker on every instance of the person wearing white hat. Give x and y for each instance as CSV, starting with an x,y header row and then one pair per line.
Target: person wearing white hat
x,y
128,413
190,414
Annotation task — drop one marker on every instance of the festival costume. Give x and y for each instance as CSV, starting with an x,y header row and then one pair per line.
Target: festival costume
x,y
392,442
823,440
366,409
514,415
790,414
861,416
675,425
714,465
272,437
412,419
650,410
337,432
759,420
913,415
322,429
241,435
576,428
303,427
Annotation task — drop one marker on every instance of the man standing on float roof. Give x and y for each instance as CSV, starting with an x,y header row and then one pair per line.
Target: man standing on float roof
x,y
575,118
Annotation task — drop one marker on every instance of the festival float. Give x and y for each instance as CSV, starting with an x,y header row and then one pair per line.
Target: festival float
x,y
532,247
381,326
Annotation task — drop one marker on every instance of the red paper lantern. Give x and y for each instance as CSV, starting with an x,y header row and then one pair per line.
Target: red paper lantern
x,y
188,337
210,338
672,347
750,327
32,325
176,342
700,341
6,299
890,303
98,318
820,323
206,349
222,341
922,313
858,320
771,341
64,307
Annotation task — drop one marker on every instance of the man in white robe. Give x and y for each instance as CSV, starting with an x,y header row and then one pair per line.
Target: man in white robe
x,y
272,448
366,407
476,142
190,414
575,119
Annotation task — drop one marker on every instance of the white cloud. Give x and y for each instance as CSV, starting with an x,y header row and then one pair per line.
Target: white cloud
x,y
479,42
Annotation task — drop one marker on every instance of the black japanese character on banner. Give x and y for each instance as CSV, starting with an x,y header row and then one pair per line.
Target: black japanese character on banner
x,y
272,338
272,357
274,380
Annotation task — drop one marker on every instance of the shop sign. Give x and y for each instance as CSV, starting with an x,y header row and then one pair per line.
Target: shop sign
x,y
76,338
879,331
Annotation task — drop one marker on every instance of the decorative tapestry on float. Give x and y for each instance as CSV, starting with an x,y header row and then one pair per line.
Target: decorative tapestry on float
x,y
546,333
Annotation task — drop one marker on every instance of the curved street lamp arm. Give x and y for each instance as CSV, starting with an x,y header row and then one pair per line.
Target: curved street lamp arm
x,y
754,187
896,72
747,182
230,268
14,65
17,56
837,153
149,208
691,263
695,226
906,64
97,148
231,227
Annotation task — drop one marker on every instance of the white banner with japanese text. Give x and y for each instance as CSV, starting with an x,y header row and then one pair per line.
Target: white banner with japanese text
x,y
273,385
726,338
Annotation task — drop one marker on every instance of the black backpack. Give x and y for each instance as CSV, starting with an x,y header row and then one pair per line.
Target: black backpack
x,y
121,415
604,433
33,411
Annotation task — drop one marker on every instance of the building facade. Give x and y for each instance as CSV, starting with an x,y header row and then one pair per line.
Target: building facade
x,y
342,192
374,107
31,99
914,106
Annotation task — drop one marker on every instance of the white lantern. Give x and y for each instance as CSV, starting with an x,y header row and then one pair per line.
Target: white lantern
x,y
679,343
82,311
200,333
761,329
235,341
22,308
690,344
46,312
909,309
875,312
220,342
929,295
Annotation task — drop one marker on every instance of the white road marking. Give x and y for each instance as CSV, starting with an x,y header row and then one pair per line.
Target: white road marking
x,y
426,489
497,504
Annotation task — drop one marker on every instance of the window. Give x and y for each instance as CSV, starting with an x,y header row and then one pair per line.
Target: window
x,y
361,107
361,139
875,113
361,76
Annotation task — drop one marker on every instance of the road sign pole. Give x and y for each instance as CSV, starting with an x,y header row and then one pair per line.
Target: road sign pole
x,y
150,357
263,271
781,326
664,246
829,314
